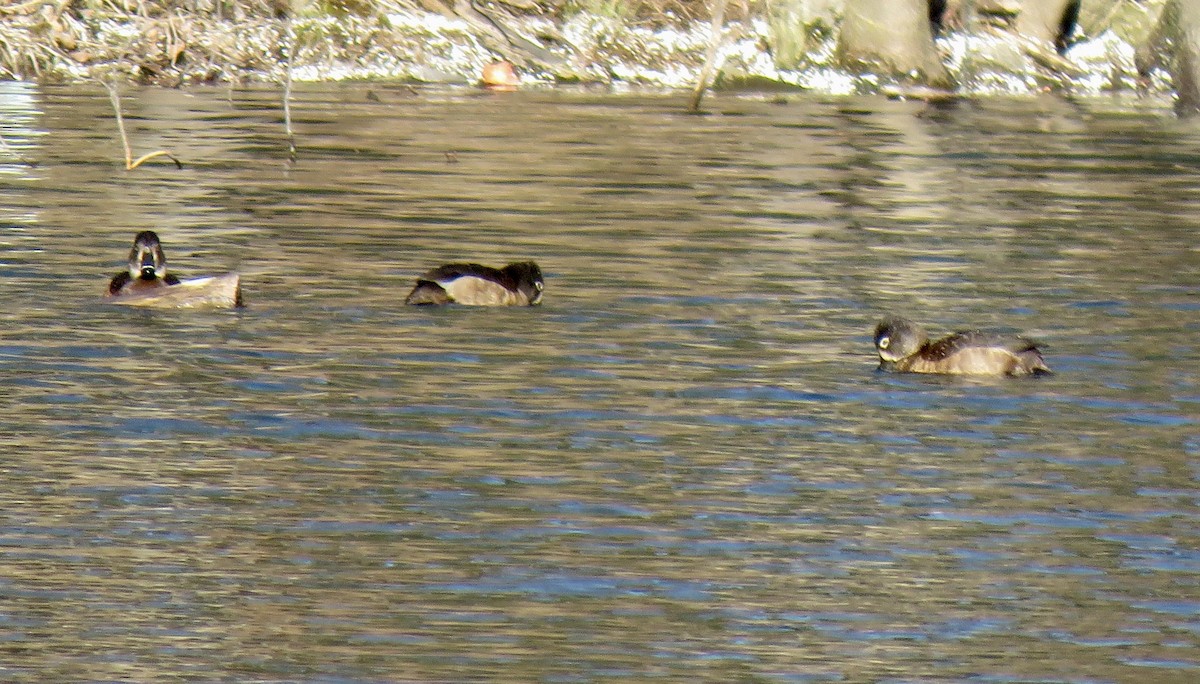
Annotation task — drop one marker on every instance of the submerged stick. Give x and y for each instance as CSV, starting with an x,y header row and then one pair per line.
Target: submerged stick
x,y
115,99
287,93
710,57
130,162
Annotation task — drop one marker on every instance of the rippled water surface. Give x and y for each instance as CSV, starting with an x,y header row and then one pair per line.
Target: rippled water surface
x,y
683,466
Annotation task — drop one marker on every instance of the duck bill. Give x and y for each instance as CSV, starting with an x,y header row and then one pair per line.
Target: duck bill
x,y
148,265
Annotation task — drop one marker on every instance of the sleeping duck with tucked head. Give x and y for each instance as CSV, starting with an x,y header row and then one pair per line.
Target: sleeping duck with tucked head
x,y
147,268
518,284
904,346
146,282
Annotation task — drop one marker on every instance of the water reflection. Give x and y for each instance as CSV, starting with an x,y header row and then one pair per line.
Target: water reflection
x,y
682,465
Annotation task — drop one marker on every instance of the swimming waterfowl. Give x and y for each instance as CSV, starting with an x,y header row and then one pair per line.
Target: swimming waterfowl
x,y
904,346
518,284
147,268
146,283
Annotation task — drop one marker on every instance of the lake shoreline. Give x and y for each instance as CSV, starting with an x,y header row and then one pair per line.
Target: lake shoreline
x,y
427,48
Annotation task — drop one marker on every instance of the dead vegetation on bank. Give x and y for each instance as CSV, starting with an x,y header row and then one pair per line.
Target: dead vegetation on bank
x,y
148,43
960,46
158,43
203,41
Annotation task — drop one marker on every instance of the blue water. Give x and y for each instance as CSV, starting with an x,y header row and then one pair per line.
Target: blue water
x,y
684,465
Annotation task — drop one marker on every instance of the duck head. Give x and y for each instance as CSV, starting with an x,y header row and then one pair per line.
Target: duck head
x,y
528,278
898,338
146,259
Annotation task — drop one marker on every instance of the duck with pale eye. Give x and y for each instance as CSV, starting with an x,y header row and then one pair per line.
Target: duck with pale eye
x,y
518,284
904,346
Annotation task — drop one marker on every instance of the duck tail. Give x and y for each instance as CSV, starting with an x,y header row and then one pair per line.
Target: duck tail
x,y
427,294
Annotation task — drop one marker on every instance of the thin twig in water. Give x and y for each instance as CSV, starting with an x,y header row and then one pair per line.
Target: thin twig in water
x,y
116,103
20,157
710,58
287,93
130,162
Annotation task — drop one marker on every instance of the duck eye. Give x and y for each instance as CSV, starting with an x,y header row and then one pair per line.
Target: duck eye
x,y
538,286
884,342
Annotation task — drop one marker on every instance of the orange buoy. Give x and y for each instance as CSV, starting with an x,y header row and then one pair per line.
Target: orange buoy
x,y
500,75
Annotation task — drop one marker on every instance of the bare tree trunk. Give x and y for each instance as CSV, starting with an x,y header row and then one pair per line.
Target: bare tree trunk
x,y
891,38
797,26
1048,21
1175,45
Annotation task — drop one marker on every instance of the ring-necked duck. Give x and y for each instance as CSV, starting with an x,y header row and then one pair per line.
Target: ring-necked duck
x,y
518,284
147,268
904,346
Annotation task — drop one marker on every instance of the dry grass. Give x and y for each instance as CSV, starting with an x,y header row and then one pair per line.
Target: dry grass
x,y
659,13
177,42
166,43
